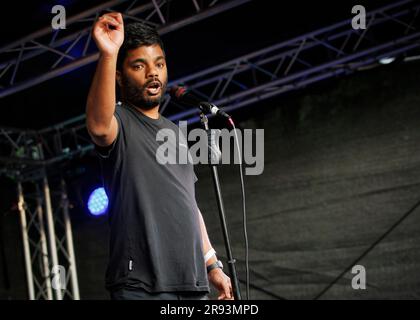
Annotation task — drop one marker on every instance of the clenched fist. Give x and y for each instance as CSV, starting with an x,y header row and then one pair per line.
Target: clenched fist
x,y
108,33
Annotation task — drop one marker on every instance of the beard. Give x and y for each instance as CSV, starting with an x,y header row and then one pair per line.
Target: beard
x,y
138,97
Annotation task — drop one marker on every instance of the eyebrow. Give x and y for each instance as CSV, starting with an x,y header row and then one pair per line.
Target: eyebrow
x,y
145,61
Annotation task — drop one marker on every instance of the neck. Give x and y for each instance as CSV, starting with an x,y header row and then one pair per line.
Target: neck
x,y
151,113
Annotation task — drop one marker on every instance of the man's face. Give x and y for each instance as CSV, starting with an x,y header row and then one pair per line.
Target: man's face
x,y
144,76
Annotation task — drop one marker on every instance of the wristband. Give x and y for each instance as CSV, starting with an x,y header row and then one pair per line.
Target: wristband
x,y
209,254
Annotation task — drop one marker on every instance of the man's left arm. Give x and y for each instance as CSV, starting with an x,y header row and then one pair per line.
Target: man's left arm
x,y
216,276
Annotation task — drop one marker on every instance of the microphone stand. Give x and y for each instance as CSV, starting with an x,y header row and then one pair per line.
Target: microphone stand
x,y
231,260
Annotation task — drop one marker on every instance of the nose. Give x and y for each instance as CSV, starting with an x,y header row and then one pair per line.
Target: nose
x,y
152,72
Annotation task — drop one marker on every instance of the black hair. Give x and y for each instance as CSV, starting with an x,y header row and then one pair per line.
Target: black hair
x,y
136,35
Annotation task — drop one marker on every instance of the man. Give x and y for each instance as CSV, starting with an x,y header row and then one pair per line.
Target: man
x,y
159,247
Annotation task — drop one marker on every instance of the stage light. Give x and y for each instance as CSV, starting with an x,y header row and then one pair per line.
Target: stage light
x,y
98,202
386,60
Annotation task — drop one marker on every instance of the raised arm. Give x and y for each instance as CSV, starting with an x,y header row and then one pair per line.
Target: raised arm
x,y
108,33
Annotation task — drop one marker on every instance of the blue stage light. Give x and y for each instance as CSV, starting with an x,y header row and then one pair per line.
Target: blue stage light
x,y
98,202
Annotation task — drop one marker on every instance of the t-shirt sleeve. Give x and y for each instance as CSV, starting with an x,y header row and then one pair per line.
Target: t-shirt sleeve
x,y
104,152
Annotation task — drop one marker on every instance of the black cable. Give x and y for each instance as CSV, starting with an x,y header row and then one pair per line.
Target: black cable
x,y
243,210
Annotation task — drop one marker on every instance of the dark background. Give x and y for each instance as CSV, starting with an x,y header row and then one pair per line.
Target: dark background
x,y
342,165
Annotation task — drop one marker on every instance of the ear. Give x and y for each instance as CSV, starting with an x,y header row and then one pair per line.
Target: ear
x,y
118,78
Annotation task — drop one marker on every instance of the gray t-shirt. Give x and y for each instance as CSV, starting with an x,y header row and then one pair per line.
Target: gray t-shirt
x,y
155,238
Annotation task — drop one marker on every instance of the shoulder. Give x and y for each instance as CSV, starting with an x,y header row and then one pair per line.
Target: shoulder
x,y
169,123
121,109
124,114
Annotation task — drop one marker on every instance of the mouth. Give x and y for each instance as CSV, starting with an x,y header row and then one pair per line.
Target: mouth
x,y
153,88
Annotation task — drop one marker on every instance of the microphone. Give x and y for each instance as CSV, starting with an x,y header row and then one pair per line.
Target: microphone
x,y
182,95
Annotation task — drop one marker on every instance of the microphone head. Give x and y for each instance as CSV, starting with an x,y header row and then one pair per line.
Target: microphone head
x,y
177,92
181,95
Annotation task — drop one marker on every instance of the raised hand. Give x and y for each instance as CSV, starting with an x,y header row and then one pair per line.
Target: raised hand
x,y
108,33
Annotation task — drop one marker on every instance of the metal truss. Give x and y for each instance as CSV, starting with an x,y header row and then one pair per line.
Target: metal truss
x,y
26,154
44,213
333,51
50,264
49,53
